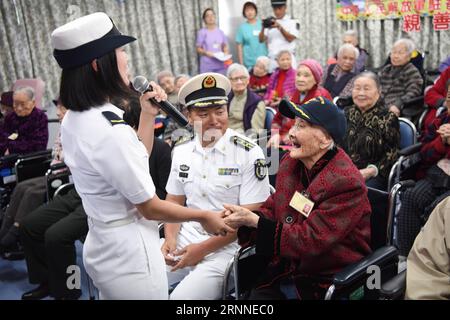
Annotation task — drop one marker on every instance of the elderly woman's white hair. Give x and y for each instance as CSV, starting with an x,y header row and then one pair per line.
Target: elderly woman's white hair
x,y
237,67
348,47
408,43
29,91
265,61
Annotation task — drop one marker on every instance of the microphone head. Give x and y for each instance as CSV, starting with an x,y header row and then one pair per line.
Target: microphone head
x,y
140,84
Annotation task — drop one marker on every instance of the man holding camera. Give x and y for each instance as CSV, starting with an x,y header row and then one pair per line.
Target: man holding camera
x,y
280,32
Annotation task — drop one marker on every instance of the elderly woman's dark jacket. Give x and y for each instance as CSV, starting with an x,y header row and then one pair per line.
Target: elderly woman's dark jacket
x,y
372,137
24,135
337,231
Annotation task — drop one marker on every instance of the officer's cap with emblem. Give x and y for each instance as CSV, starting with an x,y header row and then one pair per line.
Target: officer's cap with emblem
x,y
318,111
83,40
205,90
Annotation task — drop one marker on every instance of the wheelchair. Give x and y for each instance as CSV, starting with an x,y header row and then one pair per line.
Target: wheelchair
x,y
17,168
351,282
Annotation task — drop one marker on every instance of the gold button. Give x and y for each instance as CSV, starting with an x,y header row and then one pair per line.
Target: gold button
x,y
204,177
204,195
227,186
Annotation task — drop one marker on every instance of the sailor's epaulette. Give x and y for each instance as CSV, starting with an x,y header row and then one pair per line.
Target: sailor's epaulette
x,y
113,118
183,139
243,143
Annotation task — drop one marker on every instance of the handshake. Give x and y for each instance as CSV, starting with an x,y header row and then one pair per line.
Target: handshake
x,y
228,220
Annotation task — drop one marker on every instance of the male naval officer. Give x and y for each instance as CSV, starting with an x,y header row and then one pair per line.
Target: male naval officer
x,y
213,167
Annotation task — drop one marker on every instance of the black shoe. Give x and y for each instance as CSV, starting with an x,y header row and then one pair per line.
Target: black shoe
x,y
39,293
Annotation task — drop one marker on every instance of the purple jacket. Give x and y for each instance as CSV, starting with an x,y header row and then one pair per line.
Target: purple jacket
x,y
249,109
32,133
288,86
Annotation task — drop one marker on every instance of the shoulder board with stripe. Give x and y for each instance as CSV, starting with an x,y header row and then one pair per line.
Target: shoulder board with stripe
x,y
113,118
183,139
243,143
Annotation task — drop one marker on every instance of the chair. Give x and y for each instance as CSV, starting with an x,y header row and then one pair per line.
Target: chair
x,y
408,139
57,175
408,133
37,84
348,284
270,114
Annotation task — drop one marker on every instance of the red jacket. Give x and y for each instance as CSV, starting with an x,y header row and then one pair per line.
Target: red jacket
x,y
435,96
336,233
284,124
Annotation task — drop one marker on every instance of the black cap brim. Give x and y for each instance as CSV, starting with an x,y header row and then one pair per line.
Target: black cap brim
x,y
291,110
82,55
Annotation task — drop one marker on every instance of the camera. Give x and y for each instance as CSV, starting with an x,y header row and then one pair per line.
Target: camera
x,y
269,22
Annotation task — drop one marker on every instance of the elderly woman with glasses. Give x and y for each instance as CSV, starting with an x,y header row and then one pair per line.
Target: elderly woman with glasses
x,y
246,109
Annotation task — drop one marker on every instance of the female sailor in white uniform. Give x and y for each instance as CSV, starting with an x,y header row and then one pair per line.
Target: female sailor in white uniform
x,y
109,163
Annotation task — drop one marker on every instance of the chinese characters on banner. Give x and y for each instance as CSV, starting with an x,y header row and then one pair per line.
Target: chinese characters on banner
x,y
409,10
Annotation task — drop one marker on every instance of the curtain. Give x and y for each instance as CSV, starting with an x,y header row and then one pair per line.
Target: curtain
x,y
166,32
321,32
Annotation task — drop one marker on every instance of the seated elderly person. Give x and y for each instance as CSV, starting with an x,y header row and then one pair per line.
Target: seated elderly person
x,y
25,130
338,78
166,80
260,76
6,105
429,259
373,135
28,195
282,80
246,110
318,220
401,80
351,37
435,96
434,175
309,74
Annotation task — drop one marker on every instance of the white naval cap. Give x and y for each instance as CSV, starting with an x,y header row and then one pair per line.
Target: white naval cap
x,y
90,37
205,90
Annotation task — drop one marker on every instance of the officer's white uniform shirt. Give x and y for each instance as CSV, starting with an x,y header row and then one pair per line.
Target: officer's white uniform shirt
x,y
276,42
110,170
212,177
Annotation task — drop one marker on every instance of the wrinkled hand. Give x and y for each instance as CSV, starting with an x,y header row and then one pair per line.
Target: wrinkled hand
x,y
274,141
214,223
158,94
238,216
191,255
169,247
395,110
367,173
444,131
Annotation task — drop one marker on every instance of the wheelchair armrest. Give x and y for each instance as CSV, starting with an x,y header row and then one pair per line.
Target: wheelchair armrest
x,y
58,166
395,287
359,269
9,158
36,154
410,150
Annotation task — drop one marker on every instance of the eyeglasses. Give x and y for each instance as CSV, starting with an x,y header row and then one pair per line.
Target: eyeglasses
x,y
243,78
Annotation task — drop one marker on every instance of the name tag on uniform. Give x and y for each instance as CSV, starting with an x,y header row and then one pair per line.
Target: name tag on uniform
x,y
216,45
302,204
228,171
256,32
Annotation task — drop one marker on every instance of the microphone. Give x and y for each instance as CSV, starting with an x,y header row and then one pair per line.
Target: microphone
x,y
142,85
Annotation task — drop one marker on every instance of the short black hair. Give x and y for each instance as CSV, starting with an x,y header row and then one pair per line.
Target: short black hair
x,y
249,4
205,11
83,88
